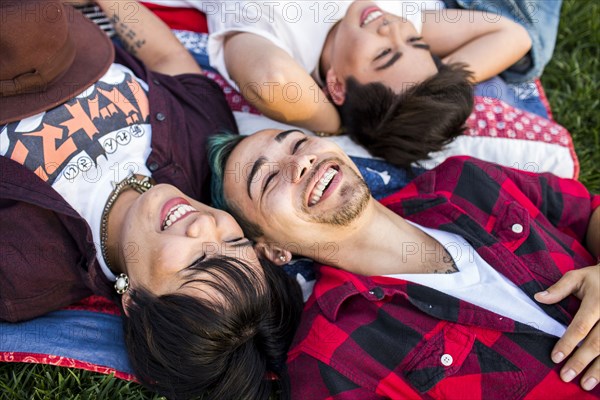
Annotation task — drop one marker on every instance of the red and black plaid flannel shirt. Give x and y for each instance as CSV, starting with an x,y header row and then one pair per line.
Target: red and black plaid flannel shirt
x,y
377,337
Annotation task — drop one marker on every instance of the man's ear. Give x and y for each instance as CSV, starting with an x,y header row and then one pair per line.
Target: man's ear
x,y
336,87
273,253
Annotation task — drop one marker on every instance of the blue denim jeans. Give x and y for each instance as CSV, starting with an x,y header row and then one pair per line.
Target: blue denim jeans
x,y
520,95
539,17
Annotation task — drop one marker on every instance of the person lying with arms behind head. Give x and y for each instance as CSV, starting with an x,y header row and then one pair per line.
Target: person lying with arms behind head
x,y
421,280
99,194
378,65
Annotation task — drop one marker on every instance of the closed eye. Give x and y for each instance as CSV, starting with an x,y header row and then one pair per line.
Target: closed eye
x,y
382,54
268,180
295,148
240,242
390,61
196,262
413,42
421,46
298,144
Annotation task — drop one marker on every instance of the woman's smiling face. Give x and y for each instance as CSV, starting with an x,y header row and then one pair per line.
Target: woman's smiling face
x,y
165,232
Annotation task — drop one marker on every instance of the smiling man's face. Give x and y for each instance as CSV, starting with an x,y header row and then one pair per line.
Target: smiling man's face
x,y
297,188
371,45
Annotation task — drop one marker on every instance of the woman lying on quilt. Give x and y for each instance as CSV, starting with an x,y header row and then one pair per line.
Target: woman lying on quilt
x,y
99,195
392,69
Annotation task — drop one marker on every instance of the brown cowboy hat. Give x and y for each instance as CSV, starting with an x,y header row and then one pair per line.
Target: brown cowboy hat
x,y
49,53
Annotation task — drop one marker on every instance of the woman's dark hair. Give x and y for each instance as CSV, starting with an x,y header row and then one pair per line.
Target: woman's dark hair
x,y
405,128
223,346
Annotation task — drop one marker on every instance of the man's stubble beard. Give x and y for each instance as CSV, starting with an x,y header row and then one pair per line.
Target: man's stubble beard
x,y
357,195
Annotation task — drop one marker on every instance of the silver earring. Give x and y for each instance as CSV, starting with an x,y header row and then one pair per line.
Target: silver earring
x,y
283,258
122,284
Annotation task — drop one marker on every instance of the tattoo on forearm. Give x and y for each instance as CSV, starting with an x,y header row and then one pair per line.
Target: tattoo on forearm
x,y
128,36
450,270
450,265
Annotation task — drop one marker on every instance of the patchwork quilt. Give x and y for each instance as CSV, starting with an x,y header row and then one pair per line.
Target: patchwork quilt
x,y
511,125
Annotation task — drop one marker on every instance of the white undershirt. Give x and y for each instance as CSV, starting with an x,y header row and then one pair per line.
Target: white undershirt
x,y
105,138
480,284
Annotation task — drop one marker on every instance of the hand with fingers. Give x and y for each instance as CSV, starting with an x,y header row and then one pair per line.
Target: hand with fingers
x,y
585,327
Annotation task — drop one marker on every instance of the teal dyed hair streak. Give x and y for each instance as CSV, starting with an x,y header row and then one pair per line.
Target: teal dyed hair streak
x,y
219,149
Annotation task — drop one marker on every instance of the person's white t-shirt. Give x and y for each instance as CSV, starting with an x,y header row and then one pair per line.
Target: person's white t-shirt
x,y
298,27
478,283
81,147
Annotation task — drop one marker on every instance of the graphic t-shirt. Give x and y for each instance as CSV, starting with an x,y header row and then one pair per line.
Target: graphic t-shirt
x,y
81,147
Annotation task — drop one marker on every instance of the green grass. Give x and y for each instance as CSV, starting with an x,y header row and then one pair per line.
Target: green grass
x,y
45,382
572,83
